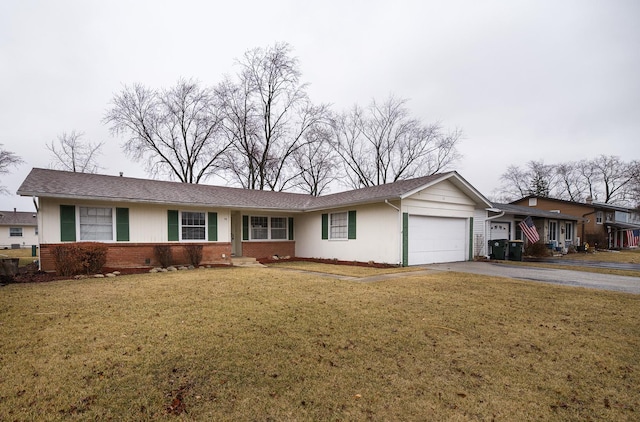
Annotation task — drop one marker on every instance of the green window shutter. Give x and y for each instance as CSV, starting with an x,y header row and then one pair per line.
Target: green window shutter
x,y
325,226
471,239
213,226
290,228
405,239
245,227
67,223
173,226
352,225
122,224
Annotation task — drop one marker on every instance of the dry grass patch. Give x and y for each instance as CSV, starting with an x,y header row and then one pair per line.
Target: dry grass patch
x,y
343,270
630,256
24,254
267,344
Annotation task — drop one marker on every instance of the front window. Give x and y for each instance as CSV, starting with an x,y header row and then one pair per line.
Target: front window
x,y
259,228
15,231
553,230
268,228
338,225
278,228
599,217
193,225
96,223
568,231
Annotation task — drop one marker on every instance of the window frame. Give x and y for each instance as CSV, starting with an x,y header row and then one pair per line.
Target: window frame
x,y
181,226
11,232
79,224
344,227
269,228
554,231
599,216
568,231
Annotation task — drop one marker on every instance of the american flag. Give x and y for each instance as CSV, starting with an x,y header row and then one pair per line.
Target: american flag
x,y
633,237
529,230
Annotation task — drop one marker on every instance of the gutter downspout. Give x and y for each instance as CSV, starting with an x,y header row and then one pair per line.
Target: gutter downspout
x,y
386,201
584,221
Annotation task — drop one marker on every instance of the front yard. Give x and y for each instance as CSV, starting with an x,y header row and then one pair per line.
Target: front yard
x,y
277,344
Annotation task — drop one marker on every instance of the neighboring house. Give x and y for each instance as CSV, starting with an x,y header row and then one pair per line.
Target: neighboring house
x,y
501,221
409,222
18,229
602,225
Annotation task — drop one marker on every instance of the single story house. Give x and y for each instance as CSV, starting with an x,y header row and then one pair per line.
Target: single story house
x,y
418,221
601,225
18,229
501,221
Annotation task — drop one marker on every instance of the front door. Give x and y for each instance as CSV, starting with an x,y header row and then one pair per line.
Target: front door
x,y
236,233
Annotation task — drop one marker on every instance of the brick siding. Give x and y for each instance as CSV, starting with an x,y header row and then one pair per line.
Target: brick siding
x,y
140,255
268,249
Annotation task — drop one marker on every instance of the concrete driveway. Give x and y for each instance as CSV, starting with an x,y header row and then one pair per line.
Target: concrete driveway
x,y
546,275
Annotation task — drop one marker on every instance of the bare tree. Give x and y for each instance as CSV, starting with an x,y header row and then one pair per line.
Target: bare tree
x,y
614,175
71,153
8,159
605,178
266,115
316,161
176,131
633,188
383,144
572,185
536,178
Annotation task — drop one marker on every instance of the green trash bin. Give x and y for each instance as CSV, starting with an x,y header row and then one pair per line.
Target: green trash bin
x,y
498,248
34,250
516,248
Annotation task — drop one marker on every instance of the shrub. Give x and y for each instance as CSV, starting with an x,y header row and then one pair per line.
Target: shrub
x,y
537,249
163,255
78,258
93,256
194,254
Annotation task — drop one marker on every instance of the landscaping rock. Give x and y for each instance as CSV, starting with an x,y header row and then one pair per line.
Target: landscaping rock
x,y
172,268
163,270
116,273
183,268
110,275
153,270
99,276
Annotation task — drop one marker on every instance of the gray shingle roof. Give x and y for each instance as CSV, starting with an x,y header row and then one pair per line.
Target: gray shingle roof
x,y
62,184
18,218
535,212
372,194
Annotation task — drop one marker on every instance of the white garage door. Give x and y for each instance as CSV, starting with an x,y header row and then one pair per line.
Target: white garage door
x,y
436,239
499,230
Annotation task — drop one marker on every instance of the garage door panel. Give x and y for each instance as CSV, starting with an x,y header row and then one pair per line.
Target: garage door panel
x,y
436,239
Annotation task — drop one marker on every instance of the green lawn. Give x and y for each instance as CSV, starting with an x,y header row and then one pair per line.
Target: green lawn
x,y
276,344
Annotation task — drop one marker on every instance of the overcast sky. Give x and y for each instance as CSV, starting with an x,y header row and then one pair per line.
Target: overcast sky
x,y
553,80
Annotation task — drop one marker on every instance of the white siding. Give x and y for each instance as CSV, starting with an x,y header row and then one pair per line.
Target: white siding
x,y
147,223
479,232
28,238
377,236
441,200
